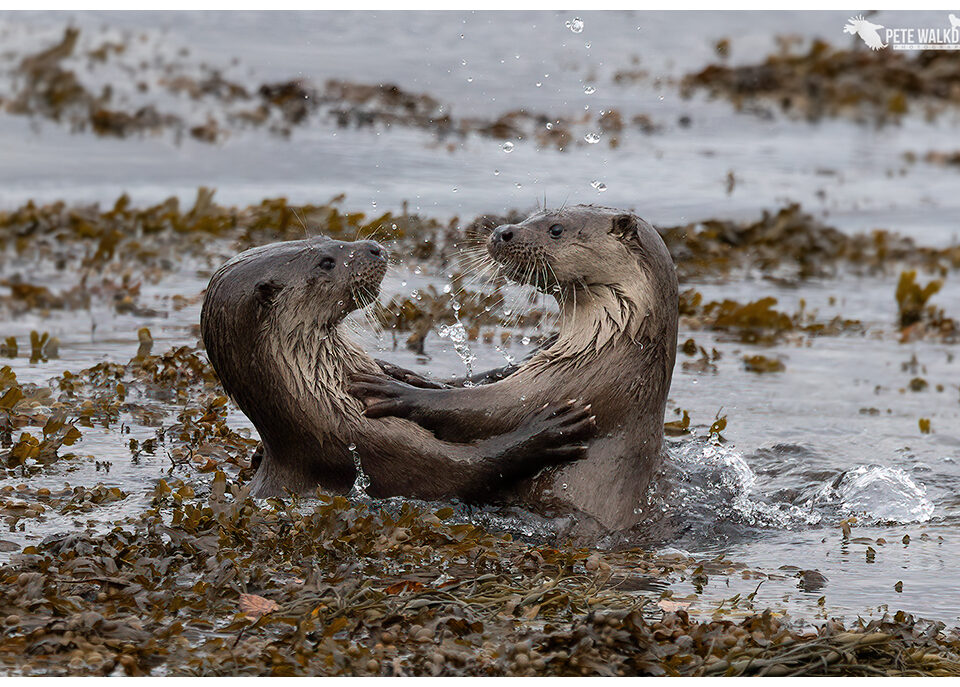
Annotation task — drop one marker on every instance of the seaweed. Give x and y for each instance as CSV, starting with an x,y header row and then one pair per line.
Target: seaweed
x,y
868,86
915,317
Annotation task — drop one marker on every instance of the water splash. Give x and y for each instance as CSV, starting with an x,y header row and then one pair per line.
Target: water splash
x,y
876,494
457,334
358,492
575,24
713,481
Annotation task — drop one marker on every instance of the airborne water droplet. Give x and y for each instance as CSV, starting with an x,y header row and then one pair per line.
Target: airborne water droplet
x,y
589,89
599,185
507,146
496,172
575,25
592,137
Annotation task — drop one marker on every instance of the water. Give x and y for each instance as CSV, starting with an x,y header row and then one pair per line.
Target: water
x,y
833,437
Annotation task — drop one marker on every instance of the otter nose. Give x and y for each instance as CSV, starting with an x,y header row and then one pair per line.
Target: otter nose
x,y
503,234
375,251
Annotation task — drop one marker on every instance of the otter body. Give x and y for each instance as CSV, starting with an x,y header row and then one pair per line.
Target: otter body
x,y
271,323
616,287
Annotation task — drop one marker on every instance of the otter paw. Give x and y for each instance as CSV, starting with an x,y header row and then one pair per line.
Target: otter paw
x,y
382,396
560,428
407,377
553,436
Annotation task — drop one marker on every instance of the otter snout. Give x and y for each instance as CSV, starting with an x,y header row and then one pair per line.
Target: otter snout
x,y
503,233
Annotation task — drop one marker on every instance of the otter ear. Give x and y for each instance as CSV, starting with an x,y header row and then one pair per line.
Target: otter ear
x,y
266,291
624,226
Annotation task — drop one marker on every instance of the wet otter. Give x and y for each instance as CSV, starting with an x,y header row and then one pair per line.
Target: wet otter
x,y
271,322
616,287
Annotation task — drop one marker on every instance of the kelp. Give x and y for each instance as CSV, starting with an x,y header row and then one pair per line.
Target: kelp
x,y
757,322
918,319
220,585
792,244
48,84
868,86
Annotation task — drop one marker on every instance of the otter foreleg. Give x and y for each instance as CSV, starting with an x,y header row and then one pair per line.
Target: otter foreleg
x,y
403,460
464,414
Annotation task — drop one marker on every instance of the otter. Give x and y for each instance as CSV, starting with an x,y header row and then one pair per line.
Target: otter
x,y
272,323
616,287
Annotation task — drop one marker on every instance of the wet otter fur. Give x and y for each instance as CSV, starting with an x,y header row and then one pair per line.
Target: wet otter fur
x,y
271,322
616,288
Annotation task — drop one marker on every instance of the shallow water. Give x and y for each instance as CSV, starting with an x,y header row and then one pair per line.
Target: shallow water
x,y
803,449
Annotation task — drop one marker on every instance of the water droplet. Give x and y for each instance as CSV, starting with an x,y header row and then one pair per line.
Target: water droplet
x,y
469,79
463,62
599,185
373,203
575,25
457,334
539,84
549,125
661,97
454,189
592,137
507,146
361,482
447,288
496,172
587,45
519,185
525,341
589,89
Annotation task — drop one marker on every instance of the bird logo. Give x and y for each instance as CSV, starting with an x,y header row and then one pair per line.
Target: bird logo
x,y
867,31
954,21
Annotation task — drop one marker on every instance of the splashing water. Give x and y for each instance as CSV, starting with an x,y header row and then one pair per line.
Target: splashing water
x,y
878,494
361,482
713,481
575,24
457,334
592,137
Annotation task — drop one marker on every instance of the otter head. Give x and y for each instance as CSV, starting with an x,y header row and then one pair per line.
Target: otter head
x,y
316,282
612,263
284,296
580,246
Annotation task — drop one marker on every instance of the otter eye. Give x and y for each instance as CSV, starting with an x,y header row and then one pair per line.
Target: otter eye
x,y
556,230
326,263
